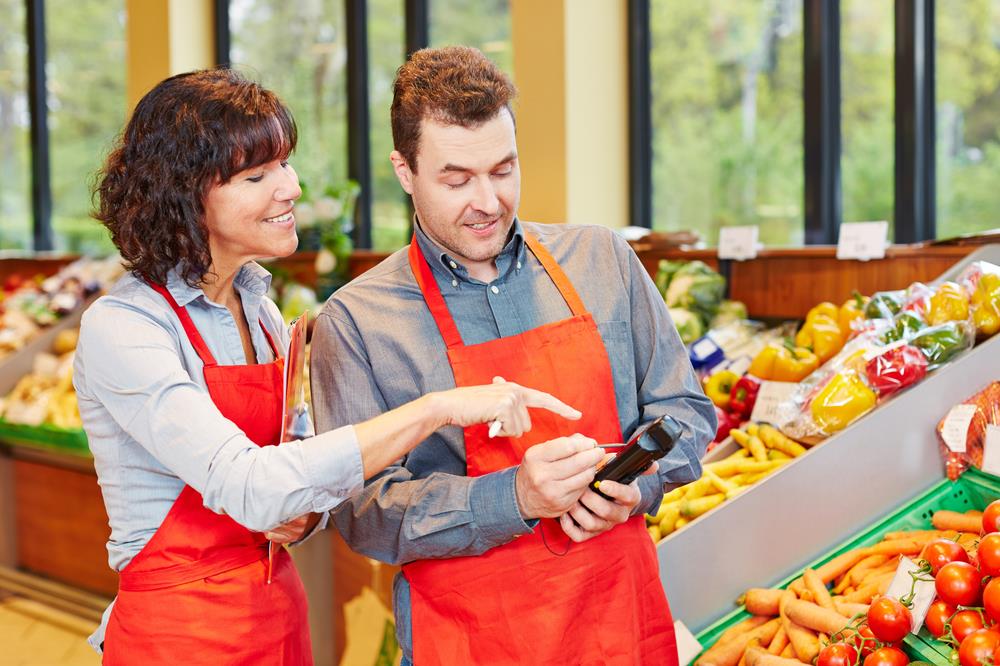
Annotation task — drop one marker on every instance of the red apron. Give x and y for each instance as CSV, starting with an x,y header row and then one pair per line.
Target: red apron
x,y
197,592
600,603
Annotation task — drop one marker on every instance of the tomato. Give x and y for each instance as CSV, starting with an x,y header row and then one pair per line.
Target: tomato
x,y
863,639
942,551
964,623
978,646
991,599
889,620
991,518
988,554
837,654
887,656
938,614
958,583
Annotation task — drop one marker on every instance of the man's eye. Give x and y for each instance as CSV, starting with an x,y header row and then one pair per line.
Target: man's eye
x,y
455,186
284,164
506,171
256,179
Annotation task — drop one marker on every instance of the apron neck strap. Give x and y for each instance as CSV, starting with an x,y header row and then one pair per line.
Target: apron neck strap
x,y
192,331
439,310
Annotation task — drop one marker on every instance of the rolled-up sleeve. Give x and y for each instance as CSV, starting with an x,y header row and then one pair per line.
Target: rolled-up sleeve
x,y
398,517
130,364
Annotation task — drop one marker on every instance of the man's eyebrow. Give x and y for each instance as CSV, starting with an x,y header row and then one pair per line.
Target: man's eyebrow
x,y
450,168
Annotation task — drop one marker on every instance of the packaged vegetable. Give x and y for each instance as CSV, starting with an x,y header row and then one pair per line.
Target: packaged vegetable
x,y
841,401
905,325
852,310
985,304
942,343
949,303
917,298
895,368
987,412
884,304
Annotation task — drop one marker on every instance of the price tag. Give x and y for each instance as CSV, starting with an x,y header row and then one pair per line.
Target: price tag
x,y
956,427
991,450
923,591
688,646
770,397
704,347
862,240
738,243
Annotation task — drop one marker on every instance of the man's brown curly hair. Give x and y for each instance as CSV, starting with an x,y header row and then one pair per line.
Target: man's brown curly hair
x,y
190,132
454,85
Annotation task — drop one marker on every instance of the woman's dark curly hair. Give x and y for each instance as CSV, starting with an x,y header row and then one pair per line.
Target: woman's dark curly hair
x,y
187,134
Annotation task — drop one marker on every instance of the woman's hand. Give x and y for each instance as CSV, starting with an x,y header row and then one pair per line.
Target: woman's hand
x,y
501,401
294,529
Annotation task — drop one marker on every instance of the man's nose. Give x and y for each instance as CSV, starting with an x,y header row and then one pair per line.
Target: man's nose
x,y
485,200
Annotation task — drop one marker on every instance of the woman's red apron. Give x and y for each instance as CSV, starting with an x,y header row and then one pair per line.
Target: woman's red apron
x,y
600,603
197,592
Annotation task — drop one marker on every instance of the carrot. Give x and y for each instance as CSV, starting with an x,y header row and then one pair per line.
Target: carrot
x,y
863,594
803,642
920,534
746,625
832,569
815,584
788,652
691,509
952,520
779,642
895,547
877,574
849,609
974,512
813,616
729,652
858,571
758,657
755,643
762,601
775,439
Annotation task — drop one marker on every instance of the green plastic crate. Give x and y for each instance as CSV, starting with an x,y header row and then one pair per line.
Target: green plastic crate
x,y
46,437
973,490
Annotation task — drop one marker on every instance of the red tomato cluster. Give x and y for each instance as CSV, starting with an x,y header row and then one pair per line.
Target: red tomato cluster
x,y
961,582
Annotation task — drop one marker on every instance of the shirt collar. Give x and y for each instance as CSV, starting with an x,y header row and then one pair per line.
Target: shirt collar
x,y
451,268
251,280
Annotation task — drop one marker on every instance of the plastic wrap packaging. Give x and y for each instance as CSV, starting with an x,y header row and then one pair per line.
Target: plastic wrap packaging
x,y
943,342
985,407
894,368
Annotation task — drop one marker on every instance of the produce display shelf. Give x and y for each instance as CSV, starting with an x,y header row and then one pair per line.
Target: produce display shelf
x,y
973,490
47,437
777,526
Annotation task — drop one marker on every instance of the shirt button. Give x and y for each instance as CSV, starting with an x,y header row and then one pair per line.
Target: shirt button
x,y
453,264
494,289
454,283
519,265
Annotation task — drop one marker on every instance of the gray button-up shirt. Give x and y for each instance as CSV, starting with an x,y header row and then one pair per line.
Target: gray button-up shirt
x,y
153,427
376,347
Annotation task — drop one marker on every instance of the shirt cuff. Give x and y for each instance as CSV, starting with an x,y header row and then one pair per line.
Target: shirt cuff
x,y
651,490
333,467
494,506
324,520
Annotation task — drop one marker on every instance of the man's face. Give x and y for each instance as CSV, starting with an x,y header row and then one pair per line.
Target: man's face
x,y
467,187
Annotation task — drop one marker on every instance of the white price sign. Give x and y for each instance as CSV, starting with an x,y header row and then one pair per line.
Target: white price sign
x,y
770,397
991,450
688,646
862,240
956,426
738,243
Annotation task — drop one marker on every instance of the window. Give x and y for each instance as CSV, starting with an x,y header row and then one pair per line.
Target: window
x,y
726,84
15,124
484,25
299,51
968,128
85,71
866,110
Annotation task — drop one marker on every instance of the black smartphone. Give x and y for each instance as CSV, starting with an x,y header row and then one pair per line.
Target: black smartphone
x,y
650,442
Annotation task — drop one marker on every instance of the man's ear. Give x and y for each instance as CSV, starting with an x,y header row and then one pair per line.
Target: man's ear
x,y
402,171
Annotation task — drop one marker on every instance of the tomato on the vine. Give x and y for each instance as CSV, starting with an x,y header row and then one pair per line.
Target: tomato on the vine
x,y
889,620
964,623
938,614
978,646
958,583
991,517
887,656
837,654
988,554
940,552
991,599
863,639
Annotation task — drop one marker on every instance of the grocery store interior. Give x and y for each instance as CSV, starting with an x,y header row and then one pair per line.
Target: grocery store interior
x,y
812,186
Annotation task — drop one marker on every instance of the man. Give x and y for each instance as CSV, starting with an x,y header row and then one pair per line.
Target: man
x,y
507,556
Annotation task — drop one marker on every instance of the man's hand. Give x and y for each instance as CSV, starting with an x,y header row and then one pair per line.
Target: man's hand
x,y
595,515
554,474
294,529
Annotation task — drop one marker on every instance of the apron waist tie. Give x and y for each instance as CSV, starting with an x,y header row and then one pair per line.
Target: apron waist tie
x,y
186,572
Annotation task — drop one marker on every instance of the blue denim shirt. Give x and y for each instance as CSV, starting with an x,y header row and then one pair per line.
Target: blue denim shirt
x,y
376,346
153,428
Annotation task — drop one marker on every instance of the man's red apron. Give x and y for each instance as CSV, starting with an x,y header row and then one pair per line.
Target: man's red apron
x,y
600,603
197,592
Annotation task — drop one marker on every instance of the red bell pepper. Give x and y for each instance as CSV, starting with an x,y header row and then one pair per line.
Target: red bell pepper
x,y
726,423
896,369
743,396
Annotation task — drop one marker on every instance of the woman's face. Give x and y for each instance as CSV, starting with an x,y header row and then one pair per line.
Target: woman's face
x,y
250,217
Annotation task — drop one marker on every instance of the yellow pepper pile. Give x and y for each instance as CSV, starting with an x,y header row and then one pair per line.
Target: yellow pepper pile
x,y
782,363
949,303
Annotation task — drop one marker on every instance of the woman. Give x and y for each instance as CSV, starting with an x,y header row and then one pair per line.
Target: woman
x,y
179,379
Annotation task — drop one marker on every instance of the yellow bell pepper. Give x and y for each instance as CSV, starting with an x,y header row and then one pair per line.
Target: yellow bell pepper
x,y
821,333
719,385
949,303
825,308
853,308
844,398
794,365
762,365
986,305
